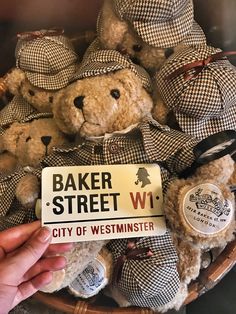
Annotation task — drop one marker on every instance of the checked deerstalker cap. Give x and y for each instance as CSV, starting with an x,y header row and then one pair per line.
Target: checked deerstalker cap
x,y
146,281
100,61
160,23
47,57
198,84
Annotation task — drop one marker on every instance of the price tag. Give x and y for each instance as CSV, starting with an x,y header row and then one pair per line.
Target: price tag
x,y
84,203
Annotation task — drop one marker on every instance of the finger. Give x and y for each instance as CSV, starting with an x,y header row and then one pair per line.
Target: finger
x,y
12,238
2,253
58,248
31,251
28,288
46,264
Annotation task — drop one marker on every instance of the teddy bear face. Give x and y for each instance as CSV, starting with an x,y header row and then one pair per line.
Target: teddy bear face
x,y
18,84
151,58
102,104
118,34
39,98
30,142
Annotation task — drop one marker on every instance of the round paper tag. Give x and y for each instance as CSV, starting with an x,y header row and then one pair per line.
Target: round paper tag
x,y
90,281
205,209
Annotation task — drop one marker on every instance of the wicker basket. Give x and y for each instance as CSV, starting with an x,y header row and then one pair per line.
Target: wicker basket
x,y
207,279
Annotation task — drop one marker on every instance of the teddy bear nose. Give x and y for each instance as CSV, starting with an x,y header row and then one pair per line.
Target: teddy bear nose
x,y
79,102
46,140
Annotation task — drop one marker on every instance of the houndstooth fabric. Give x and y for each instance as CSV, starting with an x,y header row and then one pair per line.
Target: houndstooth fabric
x,y
48,61
99,62
18,110
12,212
195,37
159,23
152,282
205,104
149,142
145,144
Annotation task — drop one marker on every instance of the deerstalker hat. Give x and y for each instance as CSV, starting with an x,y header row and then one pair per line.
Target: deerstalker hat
x,y
198,84
160,23
98,61
47,57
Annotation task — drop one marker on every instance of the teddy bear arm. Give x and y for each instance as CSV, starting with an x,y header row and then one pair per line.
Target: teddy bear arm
x,y
112,29
27,190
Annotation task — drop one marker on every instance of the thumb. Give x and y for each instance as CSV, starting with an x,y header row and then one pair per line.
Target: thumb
x,y
32,250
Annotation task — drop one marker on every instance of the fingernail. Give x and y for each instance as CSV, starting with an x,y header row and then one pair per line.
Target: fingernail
x,y
44,234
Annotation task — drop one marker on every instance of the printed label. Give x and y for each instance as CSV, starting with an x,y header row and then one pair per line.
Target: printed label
x,y
85,203
90,281
205,209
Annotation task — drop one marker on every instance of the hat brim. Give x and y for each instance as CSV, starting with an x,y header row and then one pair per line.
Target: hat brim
x,y
52,82
168,33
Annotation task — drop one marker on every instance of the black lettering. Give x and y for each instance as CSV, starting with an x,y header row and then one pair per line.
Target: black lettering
x,y
70,183
57,182
103,202
93,202
82,182
115,195
69,198
60,209
94,180
106,179
82,203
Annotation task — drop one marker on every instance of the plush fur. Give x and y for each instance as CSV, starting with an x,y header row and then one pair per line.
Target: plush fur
x,y
30,142
101,114
86,108
118,34
25,145
39,98
213,173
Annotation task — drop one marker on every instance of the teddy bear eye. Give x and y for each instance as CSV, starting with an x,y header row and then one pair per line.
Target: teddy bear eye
x,y
137,48
28,139
115,93
31,92
168,52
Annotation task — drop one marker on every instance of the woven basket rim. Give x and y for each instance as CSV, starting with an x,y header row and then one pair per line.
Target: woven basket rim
x,y
207,279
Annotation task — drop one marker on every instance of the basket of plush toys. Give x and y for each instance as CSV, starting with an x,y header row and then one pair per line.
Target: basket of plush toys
x,y
150,95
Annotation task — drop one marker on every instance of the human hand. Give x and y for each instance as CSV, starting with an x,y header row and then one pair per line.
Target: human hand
x,y
26,262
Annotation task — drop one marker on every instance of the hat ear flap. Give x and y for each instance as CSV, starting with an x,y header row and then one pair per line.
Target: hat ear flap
x,y
111,29
14,80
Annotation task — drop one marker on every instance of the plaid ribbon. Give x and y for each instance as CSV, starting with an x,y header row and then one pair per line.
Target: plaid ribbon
x,y
40,34
198,65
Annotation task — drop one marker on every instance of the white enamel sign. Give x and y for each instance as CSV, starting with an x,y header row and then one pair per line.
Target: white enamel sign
x,y
83,203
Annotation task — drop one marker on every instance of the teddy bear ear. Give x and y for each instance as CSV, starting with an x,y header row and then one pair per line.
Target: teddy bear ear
x,y
110,28
14,80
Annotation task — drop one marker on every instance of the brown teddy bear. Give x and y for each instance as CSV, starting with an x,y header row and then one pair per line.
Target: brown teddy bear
x,y
108,108
149,32
23,146
45,62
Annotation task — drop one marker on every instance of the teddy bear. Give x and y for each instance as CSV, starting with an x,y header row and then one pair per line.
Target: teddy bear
x,y
203,76
23,146
108,108
45,61
149,33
